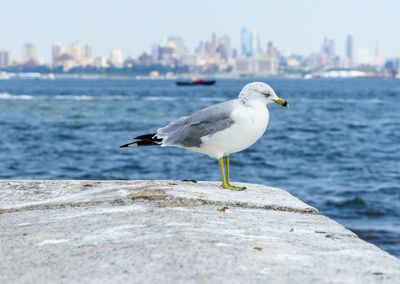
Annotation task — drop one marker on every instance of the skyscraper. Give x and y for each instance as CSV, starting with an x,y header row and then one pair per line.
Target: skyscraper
x,y
5,58
179,46
379,59
28,52
234,53
254,43
75,51
214,43
207,48
87,56
116,58
328,46
272,52
349,47
101,62
87,52
200,48
244,42
56,50
154,53
224,47
250,42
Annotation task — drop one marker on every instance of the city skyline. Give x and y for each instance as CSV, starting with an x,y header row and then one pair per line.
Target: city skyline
x,y
292,26
212,55
250,44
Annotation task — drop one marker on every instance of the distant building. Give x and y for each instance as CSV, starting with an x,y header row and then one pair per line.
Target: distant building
x,y
116,58
166,51
179,46
87,56
250,42
190,60
100,62
200,49
379,59
67,62
28,53
145,59
62,58
129,62
214,41
5,58
234,53
76,51
257,66
244,42
328,47
272,51
224,48
56,51
315,60
254,43
393,66
214,45
87,52
293,63
154,53
75,56
208,48
350,47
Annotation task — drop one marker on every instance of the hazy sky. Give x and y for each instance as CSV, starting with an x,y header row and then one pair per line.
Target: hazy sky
x,y
134,26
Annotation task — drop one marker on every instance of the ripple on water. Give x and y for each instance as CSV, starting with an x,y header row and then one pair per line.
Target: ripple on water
x,y
76,116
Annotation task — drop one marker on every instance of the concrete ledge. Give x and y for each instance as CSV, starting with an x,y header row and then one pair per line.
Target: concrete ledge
x,y
32,195
175,231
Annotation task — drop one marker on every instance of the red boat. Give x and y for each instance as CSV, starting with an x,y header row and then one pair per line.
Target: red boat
x,y
195,82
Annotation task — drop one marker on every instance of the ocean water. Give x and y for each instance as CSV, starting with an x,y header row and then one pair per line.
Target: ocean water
x,y
336,148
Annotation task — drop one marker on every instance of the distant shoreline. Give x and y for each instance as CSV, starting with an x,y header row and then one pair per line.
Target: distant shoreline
x,y
38,76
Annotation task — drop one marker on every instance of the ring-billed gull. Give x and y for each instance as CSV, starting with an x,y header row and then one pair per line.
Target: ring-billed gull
x,y
219,130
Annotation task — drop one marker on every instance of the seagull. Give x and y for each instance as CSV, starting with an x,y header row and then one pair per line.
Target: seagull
x,y
221,129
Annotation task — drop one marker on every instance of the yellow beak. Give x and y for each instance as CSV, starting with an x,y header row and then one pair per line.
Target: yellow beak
x,y
282,102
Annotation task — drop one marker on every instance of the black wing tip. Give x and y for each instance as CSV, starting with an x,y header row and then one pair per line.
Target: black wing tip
x,y
144,140
127,145
146,136
149,137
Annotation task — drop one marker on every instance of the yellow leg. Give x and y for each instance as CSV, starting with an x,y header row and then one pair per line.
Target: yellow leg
x,y
228,182
221,167
225,182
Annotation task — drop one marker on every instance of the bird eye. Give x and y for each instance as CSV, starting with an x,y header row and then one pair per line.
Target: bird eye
x,y
267,95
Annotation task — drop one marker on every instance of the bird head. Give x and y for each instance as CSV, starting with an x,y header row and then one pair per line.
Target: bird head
x,y
259,91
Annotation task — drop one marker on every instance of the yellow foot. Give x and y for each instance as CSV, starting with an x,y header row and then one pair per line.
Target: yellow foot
x,y
230,187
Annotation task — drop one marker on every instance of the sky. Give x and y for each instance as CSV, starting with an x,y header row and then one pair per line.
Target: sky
x,y
134,26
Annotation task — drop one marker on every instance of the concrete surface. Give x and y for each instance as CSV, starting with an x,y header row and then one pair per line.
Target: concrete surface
x,y
175,232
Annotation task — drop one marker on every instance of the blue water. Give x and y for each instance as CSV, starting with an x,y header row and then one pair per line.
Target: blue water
x,y
337,147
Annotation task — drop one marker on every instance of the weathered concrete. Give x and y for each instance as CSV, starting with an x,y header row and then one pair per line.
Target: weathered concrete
x,y
174,231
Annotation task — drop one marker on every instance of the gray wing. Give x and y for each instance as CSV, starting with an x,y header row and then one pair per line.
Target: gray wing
x,y
188,131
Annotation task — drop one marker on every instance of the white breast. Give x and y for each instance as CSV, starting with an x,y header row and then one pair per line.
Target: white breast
x,y
250,123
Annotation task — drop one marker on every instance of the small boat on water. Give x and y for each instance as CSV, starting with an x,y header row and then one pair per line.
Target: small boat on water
x,y
195,82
